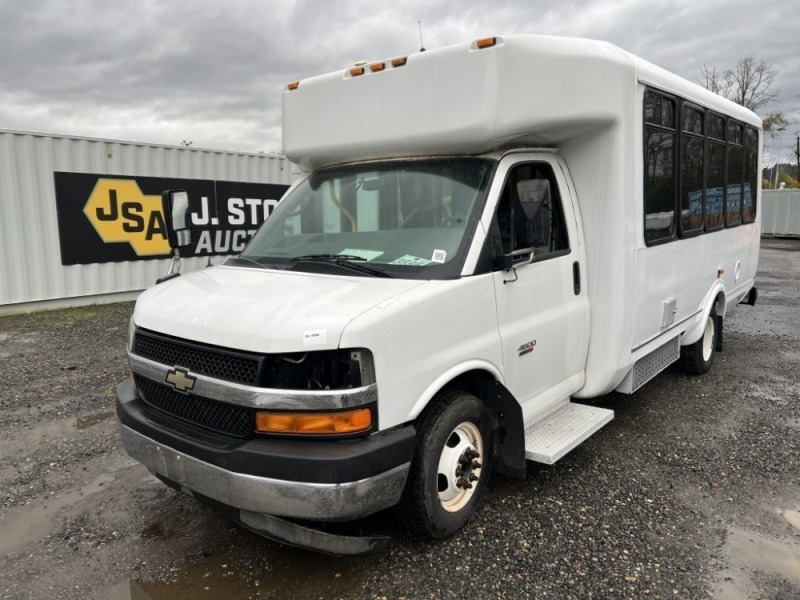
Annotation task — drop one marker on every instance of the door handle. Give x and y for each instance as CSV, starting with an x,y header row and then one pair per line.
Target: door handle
x,y
576,277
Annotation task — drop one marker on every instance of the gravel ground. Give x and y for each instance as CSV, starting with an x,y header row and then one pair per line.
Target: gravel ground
x,y
693,491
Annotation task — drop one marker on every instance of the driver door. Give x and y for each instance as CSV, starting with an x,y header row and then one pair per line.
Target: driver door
x,y
542,306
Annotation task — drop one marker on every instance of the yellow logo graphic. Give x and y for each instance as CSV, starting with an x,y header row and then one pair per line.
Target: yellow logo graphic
x,y
120,212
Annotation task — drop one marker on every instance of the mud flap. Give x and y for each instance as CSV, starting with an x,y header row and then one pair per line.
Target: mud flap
x,y
507,413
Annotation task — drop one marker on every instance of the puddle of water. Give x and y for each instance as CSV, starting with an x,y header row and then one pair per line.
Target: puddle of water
x,y
747,552
24,439
26,524
59,429
294,574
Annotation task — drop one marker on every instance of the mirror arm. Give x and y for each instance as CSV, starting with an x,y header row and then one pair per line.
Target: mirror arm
x,y
509,264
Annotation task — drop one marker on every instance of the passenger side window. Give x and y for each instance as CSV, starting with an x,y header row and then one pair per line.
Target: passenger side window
x,y
529,214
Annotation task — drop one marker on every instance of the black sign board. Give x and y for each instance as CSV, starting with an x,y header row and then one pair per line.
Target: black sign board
x,y
110,218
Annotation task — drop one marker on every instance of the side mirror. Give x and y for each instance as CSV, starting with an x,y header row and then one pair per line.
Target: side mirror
x,y
175,204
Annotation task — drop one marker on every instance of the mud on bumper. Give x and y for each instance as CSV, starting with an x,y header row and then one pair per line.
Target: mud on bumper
x,y
257,481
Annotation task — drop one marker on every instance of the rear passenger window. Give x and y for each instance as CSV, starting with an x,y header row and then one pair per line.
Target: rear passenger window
x,y
701,171
660,175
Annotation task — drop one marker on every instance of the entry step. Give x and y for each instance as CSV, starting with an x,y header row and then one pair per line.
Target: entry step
x,y
551,438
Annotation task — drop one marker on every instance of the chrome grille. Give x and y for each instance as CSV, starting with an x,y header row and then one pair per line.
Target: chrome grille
x,y
203,360
218,416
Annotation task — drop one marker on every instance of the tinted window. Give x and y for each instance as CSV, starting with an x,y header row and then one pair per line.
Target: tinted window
x,y
659,186
751,182
692,120
733,192
659,110
715,186
716,126
691,184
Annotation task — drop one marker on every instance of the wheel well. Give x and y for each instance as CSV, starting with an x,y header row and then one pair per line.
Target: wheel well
x,y
508,426
471,382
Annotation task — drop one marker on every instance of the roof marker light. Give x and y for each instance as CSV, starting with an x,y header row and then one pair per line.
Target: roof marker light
x,y
293,86
356,71
375,67
400,61
486,42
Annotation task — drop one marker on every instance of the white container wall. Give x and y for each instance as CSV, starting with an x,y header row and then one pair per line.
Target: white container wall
x,y
54,248
781,213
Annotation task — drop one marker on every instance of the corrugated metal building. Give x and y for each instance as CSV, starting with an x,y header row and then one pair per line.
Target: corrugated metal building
x,y
780,215
81,219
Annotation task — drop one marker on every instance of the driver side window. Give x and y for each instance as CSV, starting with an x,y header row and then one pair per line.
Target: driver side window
x,y
529,214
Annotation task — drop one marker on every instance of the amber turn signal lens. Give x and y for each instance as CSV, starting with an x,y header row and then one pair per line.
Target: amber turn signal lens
x,y
486,42
314,423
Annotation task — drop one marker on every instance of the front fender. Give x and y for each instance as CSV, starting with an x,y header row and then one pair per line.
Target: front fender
x,y
449,375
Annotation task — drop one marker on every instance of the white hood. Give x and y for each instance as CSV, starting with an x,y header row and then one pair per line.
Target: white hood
x,y
261,310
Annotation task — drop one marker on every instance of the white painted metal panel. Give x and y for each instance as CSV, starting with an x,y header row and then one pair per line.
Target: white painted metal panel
x,y
30,260
781,212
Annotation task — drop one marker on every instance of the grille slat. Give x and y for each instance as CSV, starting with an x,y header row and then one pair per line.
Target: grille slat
x,y
203,361
218,416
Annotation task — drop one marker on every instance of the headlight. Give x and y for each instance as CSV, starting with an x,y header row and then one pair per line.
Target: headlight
x,y
321,370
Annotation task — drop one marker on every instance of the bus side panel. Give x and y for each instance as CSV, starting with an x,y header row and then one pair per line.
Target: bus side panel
x,y
684,271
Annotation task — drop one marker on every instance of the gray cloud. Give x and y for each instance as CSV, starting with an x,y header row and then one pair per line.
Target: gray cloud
x,y
214,72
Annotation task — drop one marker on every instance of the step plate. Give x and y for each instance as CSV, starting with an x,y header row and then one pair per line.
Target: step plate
x,y
551,438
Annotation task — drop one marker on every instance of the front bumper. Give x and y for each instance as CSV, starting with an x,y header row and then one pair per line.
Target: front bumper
x,y
320,480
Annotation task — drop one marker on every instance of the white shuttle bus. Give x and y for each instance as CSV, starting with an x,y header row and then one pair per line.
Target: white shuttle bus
x,y
487,235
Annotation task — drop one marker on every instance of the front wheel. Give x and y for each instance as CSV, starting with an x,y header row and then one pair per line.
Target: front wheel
x,y
451,466
697,357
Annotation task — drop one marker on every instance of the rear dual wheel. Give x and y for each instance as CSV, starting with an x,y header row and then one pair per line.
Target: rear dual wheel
x,y
451,466
698,357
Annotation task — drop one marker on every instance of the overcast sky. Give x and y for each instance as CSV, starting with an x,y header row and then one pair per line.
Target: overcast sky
x,y
213,72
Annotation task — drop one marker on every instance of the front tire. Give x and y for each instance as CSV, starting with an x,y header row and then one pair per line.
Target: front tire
x,y
698,357
451,466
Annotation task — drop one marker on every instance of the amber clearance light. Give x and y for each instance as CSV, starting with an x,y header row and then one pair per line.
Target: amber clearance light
x,y
314,423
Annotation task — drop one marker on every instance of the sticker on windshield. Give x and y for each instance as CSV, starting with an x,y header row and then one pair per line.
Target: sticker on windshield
x,y
365,254
439,256
408,259
315,337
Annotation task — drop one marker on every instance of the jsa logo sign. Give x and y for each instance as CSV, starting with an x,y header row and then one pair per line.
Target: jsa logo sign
x,y
104,218
120,212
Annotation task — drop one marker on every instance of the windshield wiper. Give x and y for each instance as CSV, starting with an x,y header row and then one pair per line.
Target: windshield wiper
x,y
345,260
244,259
328,257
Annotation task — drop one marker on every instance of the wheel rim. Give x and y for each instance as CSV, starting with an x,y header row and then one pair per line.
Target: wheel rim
x,y
459,469
708,339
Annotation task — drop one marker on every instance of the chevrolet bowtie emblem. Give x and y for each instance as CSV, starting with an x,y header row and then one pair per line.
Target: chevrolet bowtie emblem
x,y
181,380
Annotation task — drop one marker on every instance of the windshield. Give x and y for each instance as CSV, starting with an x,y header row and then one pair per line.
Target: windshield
x,y
410,218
